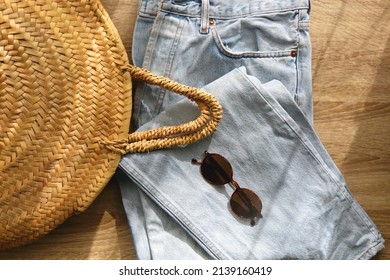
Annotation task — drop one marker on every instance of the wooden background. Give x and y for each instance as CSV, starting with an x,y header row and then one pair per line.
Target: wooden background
x,y
351,87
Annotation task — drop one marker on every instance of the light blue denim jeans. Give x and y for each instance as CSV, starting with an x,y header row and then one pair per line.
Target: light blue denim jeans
x,y
308,211
266,133
196,42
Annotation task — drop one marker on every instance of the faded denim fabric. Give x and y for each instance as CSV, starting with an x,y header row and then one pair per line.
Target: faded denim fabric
x,y
308,211
173,213
270,38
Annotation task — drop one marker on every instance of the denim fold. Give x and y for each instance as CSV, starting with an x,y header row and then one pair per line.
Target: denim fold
x,y
255,57
308,210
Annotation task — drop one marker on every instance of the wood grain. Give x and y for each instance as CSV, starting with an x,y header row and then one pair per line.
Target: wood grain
x,y
351,87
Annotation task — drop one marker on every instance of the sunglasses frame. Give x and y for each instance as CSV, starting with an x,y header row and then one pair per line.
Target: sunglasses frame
x,y
224,170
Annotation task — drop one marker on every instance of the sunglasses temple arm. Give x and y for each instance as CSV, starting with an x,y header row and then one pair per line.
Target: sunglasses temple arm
x,y
196,161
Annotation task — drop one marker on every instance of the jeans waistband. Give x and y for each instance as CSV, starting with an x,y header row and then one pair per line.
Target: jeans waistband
x,y
221,9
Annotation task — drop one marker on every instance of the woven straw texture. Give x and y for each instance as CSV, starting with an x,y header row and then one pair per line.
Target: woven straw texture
x,y
62,89
210,114
65,108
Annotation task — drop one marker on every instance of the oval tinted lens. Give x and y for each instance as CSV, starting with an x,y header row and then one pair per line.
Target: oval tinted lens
x,y
245,203
216,169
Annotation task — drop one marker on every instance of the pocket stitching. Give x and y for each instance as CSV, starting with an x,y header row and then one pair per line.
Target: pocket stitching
x,y
250,54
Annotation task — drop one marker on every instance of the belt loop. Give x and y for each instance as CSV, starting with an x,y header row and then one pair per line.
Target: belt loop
x,y
204,22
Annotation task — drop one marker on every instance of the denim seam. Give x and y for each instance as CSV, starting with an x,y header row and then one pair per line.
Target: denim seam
x,y
370,252
147,61
144,7
341,186
124,194
146,15
297,64
238,16
303,23
254,54
363,216
168,66
147,232
204,22
171,210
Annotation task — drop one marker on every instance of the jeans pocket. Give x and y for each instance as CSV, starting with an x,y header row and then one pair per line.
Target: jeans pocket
x,y
265,35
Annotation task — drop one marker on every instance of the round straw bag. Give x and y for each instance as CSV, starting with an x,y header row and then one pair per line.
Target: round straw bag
x,y
65,108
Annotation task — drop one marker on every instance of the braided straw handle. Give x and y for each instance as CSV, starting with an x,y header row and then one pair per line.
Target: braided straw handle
x,y
170,136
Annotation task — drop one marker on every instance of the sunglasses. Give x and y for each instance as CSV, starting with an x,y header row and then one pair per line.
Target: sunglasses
x,y
217,170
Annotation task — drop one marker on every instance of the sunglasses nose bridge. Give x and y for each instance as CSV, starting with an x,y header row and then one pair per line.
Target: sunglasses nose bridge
x,y
234,184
